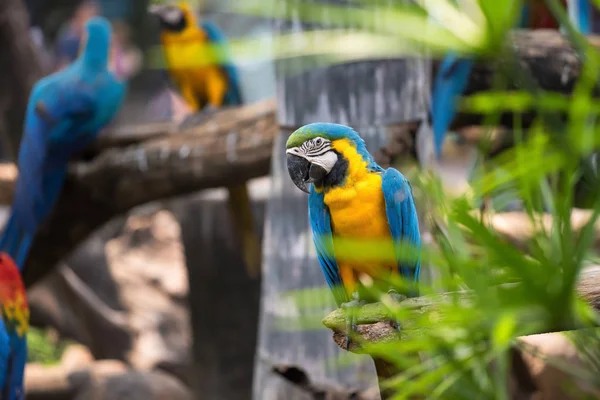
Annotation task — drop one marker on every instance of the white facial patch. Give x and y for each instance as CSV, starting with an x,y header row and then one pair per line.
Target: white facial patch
x,y
317,151
326,161
172,15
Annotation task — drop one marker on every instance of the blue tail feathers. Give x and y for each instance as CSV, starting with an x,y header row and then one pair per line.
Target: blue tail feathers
x,y
450,82
16,241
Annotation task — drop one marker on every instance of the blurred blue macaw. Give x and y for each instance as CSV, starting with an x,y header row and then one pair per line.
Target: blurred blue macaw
x,y
453,74
66,111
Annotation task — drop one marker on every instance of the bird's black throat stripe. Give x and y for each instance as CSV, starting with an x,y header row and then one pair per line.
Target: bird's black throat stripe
x,y
337,175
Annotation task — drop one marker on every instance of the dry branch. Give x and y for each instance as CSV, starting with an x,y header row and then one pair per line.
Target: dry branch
x,y
231,147
374,327
373,319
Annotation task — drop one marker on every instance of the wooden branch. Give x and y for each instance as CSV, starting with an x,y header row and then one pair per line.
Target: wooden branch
x,y
123,171
374,327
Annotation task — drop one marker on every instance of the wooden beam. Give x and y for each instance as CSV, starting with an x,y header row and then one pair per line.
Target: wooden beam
x,y
124,171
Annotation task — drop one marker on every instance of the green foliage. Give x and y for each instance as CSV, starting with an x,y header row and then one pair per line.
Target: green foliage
x,y
42,348
446,351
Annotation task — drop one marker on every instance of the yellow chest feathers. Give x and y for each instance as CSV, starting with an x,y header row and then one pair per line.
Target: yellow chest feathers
x,y
188,50
357,208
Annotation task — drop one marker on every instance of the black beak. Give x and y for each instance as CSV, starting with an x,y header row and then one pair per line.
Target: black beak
x,y
299,170
303,172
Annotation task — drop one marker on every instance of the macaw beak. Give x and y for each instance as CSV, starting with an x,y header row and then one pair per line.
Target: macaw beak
x,y
304,172
299,170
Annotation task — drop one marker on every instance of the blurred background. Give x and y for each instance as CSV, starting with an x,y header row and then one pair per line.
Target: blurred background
x,y
148,283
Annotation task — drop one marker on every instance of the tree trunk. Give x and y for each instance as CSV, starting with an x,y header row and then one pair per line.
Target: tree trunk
x,y
19,69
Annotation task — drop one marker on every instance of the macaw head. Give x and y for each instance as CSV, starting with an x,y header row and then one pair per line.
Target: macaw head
x,y
13,297
313,154
174,17
96,42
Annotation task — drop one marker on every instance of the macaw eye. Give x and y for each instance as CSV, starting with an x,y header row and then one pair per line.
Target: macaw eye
x,y
319,141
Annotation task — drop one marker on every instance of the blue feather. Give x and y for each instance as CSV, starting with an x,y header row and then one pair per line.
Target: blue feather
x,y
216,36
453,75
4,352
580,13
13,390
450,82
320,223
403,221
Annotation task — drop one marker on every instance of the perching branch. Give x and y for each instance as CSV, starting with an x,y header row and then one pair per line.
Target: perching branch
x,y
373,319
374,327
124,171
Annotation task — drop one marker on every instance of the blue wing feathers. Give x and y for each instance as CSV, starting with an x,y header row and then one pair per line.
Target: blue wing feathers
x,y
580,13
320,223
4,353
76,106
216,36
402,219
453,76
450,82
18,359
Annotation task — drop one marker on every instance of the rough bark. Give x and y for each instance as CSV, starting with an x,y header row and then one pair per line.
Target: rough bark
x,y
121,172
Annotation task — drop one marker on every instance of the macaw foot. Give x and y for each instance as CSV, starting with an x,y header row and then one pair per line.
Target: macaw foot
x,y
397,297
351,308
198,118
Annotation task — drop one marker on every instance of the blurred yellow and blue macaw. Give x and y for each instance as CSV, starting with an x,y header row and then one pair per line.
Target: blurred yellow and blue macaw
x,y
352,197
199,63
453,75
197,58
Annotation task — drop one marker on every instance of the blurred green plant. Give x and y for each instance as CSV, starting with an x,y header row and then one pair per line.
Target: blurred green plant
x,y
458,349
43,348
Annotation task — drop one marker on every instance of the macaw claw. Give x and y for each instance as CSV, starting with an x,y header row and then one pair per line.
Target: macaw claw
x,y
398,298
351,308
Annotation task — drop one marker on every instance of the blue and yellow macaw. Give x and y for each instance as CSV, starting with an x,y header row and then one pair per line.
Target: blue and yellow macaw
x,y
197,58
453,74
199,63
65,113
352,197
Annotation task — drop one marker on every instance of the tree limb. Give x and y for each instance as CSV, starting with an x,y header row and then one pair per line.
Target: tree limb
x,y
373,321
123,171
